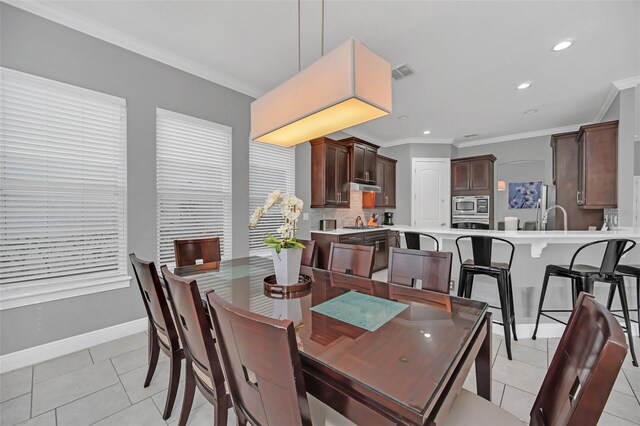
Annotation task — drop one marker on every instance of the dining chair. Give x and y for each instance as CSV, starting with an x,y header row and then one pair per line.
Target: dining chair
x,y
433,268
351,259
202,363
189,254
413,240
261,361
579,380
308,253
162,335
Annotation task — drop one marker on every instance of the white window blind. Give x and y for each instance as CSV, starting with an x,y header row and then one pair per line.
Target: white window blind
x,y
63,181
271,168
193,171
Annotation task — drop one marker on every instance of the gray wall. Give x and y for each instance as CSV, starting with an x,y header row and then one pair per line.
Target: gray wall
x,y
40,47
516,161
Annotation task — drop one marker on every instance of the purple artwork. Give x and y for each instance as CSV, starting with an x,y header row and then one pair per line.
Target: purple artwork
x,y
524,195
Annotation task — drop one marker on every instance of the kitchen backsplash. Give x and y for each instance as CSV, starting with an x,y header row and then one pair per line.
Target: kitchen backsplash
x,y
344,217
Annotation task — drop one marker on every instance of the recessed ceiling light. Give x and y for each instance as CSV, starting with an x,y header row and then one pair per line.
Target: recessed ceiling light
x,y
426,132
524,86
562,45
531,111
471,135
403,117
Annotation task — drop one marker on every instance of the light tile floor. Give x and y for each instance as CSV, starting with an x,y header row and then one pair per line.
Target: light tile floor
x,y
103,385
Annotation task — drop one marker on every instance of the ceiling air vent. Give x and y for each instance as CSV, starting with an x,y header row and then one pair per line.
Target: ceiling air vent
x,y
401,72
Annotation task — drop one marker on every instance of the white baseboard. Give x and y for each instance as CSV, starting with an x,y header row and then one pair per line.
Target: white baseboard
x,y
38,354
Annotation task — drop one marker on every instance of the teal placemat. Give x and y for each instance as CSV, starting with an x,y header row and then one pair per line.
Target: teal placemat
x,y
361,310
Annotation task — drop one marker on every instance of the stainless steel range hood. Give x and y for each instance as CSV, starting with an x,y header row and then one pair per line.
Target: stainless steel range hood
x,y
361,187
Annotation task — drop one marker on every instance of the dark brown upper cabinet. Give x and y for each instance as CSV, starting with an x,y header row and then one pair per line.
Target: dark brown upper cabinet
x,y
472,175
565,178
363,160
386,179
598,166
330,164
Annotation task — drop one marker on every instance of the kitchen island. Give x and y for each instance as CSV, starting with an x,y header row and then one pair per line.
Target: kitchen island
x,y
534,250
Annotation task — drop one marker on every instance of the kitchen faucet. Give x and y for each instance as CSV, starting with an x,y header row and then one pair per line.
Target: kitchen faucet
x,y
545,217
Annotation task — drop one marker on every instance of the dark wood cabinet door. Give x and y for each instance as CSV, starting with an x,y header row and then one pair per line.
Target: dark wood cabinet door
x,y
479,174
342,175
460,176
359,158
380,169
331,171
390,184
370,164
597,166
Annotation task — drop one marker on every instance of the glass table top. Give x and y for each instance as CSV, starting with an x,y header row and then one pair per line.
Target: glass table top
x,y
406,359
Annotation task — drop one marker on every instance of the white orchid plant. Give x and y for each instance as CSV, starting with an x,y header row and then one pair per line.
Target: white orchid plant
x,y
290,208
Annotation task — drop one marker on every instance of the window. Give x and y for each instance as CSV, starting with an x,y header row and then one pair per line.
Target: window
x,y
63,190
271,168
193,171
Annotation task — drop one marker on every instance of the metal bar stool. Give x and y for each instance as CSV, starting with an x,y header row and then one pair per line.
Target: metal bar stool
x,y
583,278
482,264
628,271
413,240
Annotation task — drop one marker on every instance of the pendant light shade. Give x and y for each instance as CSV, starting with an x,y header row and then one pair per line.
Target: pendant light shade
x,y
347,86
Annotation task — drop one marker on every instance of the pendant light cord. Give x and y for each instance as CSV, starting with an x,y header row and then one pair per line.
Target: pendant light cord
x,y
299,63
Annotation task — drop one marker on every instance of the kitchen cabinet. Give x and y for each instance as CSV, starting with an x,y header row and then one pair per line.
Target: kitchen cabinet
x,y
565,178
363,160
386,179
598,166
378,239
330,172
472,175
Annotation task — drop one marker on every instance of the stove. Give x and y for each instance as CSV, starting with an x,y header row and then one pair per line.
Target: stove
x,y
363,227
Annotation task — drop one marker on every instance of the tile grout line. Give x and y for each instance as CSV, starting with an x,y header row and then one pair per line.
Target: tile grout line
x,y
635,393
120,381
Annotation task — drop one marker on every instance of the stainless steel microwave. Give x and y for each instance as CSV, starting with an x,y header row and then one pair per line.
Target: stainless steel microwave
x,y
477,205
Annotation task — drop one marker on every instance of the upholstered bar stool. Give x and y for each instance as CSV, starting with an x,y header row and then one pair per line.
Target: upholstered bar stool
x,y
483,264
583,277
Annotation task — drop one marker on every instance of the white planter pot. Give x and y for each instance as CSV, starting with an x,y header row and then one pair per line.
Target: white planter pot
x,y
287,265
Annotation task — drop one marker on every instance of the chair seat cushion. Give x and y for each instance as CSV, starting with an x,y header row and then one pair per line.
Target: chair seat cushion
x,y
470,409
497,265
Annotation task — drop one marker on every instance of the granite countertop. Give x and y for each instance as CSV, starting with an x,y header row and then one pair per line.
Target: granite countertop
x,y
344,231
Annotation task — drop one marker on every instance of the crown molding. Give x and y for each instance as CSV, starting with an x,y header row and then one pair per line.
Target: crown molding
x,y
55,13
518,136
616,86
363,135
418,141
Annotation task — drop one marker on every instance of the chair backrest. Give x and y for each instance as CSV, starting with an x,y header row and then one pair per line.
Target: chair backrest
x,y
613,252
482,249
309,253
432,267
195,331
189,252
413,240
351,259
261,359
155,301
584,368
426,297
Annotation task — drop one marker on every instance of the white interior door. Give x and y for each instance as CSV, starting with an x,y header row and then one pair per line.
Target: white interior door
x,y
430,187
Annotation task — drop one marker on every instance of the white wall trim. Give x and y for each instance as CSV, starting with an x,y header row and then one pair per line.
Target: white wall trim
x,y
518,136
616,86
38,354
364,136
627,83
55,13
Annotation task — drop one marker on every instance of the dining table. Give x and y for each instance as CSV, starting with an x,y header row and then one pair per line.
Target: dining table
x,y
375,352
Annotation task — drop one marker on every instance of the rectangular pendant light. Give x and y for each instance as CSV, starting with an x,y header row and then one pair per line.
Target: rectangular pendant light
x,y
347,86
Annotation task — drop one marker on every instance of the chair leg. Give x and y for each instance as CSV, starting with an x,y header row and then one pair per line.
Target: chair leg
x,y
627,320
638,302
462,283
221,410
469,286
503,293
612,293
189,391
545,283
512,309
154,351
174,381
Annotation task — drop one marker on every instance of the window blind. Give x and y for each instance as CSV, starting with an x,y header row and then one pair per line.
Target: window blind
x,y
271,168
63,182
193,171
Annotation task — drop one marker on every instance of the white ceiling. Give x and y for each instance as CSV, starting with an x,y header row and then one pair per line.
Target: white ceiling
x,y
468,57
